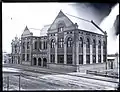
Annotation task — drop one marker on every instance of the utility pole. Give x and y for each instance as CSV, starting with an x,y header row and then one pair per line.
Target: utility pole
x,y
7,83
19,82
104,32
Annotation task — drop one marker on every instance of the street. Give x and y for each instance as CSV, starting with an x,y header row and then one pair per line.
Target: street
x,y
42,81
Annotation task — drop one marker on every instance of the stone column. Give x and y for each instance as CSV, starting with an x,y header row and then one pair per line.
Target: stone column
x,y
77,53
101,50
56,50
73,53
42,44
42,62
25,50
65,49
84,53
91,60
65,53
38,41
49,52
96,50
37,61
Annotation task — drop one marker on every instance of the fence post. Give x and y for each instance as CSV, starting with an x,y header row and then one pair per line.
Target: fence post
x,y
19,82
7,83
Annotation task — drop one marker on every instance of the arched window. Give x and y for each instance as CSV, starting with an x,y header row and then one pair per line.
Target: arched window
x,y
94,43
52,43
81,45
81,42
69,42
88,43
60,27
99,44
36,45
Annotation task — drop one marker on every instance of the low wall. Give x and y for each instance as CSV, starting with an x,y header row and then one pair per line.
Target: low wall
x,y
62,67
96,67
26,63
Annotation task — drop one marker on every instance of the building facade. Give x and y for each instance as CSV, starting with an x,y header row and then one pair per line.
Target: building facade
x,y
65,44
16,51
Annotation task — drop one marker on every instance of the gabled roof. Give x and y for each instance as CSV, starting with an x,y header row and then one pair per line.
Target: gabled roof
x,y
84,25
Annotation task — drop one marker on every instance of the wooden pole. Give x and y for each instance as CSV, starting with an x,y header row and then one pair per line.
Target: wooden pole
x,y
19,82
7,83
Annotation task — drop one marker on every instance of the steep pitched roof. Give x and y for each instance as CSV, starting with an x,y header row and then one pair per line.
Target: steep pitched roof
x,y
65,19
26,32
84,25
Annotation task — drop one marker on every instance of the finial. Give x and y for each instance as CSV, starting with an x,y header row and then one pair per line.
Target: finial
x,y
26,28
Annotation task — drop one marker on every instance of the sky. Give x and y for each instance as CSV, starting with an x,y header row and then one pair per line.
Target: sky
x,y
15,17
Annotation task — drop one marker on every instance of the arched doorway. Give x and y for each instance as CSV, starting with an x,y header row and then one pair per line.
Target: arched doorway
x,y
44,62
34,61
39,61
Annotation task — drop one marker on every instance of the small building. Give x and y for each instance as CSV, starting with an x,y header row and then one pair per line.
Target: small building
x,y
113,61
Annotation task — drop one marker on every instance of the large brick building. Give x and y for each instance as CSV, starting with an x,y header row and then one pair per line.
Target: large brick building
x,y
67,44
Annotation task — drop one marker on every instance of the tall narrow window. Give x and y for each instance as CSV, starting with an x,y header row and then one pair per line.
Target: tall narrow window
x,y
60,43
27,57
99,45
52,43
45,44
28,45
23,57
35,44
104,58
60,27
88,46
81,45
40,45
52,58
69,42
94,43
104,45
88,43
80,59
69,59
94,46
88,59
99,58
